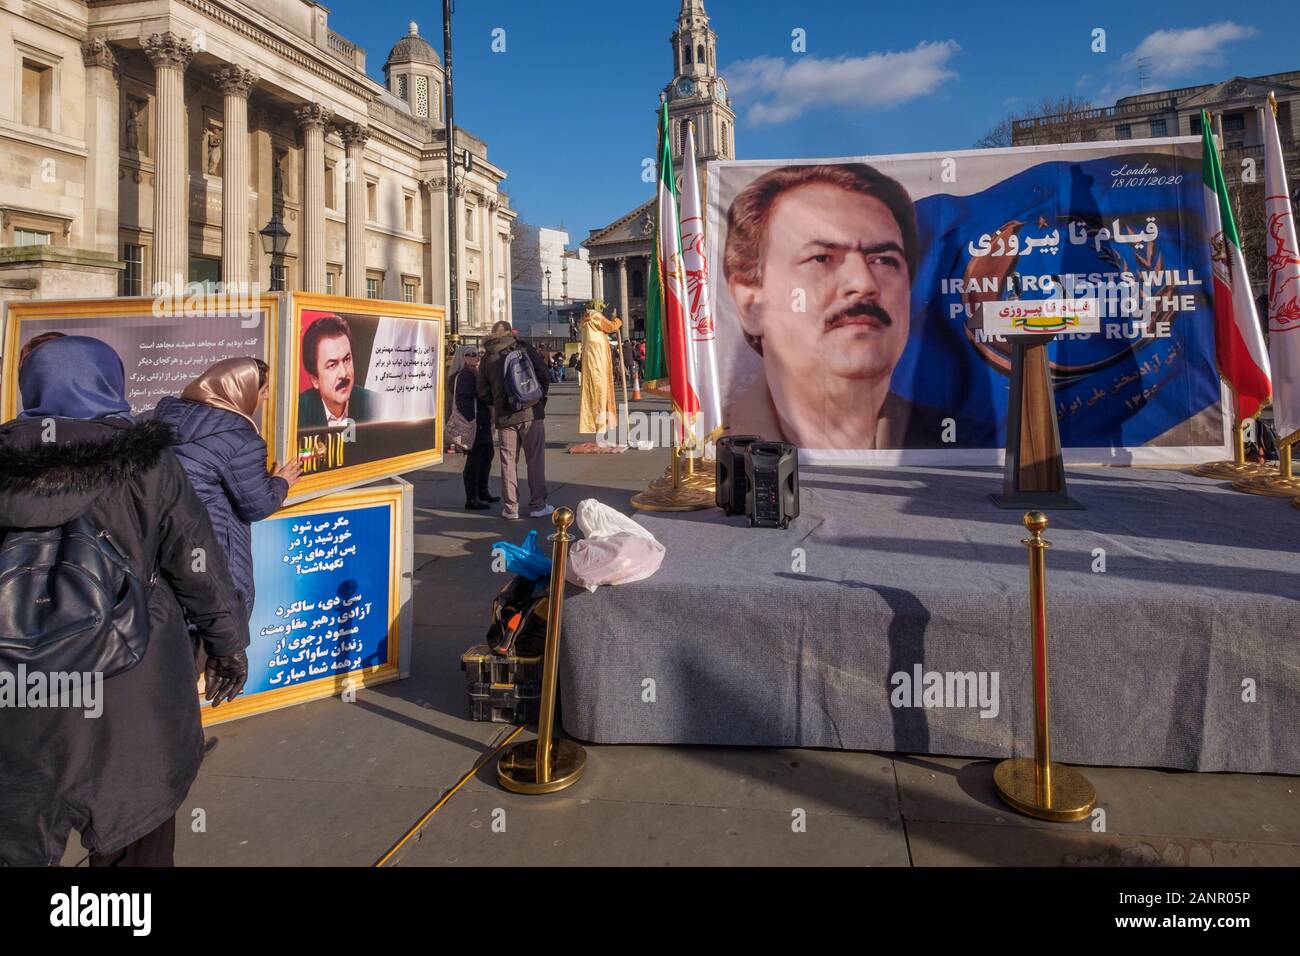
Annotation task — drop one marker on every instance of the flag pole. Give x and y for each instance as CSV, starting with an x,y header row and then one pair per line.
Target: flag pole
x,y
1237,467
1283,483
671,492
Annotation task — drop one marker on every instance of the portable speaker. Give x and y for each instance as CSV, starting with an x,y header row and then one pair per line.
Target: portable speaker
x,y
731,484
772,472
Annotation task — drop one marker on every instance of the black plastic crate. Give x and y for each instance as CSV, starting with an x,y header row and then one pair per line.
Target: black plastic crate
x,y
481,666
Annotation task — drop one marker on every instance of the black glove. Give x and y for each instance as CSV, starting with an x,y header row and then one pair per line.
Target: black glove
x,y
224,677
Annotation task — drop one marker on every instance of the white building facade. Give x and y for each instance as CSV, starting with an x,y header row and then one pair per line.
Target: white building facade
x,y
538,298
151,141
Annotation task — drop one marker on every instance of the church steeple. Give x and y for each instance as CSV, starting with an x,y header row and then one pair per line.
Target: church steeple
x,y
697,94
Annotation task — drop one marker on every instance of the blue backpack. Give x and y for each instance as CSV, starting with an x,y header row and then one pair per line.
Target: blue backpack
x,y
522,386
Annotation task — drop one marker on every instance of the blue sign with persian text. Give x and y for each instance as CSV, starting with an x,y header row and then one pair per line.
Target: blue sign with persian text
x,y
322,605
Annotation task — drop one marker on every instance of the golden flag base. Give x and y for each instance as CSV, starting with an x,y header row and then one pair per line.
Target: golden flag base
x,y
1238,467
1278,486
1283,483
1232,470
676,491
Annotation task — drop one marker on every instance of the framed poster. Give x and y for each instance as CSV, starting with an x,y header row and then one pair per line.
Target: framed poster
x,y
332,578
164,343
364,390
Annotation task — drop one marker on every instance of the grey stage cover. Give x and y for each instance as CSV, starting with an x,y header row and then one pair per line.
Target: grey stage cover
x,y
1183,652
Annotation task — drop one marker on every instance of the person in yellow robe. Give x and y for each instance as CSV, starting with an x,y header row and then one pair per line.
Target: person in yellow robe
x,y
598,412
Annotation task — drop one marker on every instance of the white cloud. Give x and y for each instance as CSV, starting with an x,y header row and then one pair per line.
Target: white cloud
x,y
1173,53
778,91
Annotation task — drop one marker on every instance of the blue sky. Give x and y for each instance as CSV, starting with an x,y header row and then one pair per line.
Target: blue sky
x,y
568,109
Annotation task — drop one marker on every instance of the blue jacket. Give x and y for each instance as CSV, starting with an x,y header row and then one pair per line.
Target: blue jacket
x,y
225,460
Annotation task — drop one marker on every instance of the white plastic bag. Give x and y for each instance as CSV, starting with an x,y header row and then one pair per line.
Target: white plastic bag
x,y
597,520
616,550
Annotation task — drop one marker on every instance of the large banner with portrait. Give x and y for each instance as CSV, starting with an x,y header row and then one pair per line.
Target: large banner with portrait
x,y
850,298
364,397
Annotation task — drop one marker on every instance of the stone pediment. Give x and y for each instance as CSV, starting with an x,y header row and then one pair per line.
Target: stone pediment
x,y
636,226
1238,89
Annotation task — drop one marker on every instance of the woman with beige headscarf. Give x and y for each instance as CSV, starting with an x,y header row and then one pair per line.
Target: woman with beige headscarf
x,y
597,412
220,448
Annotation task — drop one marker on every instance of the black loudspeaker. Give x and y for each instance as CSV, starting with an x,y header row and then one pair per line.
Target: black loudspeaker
x,y
772,471
731,483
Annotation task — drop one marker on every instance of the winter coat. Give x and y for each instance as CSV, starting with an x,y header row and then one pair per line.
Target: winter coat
x,y
122,774
492,381
225,459
471,406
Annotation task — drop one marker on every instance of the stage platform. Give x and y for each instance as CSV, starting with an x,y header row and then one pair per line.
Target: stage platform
x,y
1184,652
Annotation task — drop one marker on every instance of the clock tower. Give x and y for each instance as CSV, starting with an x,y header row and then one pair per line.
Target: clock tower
x,y
697,94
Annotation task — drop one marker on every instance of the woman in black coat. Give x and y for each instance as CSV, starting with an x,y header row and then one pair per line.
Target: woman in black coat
x,y
118,779
225,458
478,463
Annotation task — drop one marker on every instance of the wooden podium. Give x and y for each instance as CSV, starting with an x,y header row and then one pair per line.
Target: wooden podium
x,y
1034,474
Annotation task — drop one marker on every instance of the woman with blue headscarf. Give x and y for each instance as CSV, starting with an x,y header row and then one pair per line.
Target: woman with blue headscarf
x,y
76,459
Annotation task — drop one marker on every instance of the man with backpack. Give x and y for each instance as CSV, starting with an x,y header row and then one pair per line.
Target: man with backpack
x,y
513,381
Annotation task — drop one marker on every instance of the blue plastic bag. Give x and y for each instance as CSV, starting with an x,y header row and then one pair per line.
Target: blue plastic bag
x,y
525,560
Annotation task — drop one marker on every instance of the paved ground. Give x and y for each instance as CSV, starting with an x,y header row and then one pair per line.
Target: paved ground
x,y
330,783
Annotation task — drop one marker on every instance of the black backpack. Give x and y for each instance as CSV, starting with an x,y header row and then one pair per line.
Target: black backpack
x,y
70,601
518,626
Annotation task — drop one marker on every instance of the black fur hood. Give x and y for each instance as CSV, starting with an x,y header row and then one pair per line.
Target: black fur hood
x,y
51,482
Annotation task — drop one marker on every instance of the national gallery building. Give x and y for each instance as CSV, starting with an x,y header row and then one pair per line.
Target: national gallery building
x,y
172,139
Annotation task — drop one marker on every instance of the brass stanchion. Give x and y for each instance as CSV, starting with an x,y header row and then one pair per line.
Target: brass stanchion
x,y
547,764
1038,787
1238,467
1282,484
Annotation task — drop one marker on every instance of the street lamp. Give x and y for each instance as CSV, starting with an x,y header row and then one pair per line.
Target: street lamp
x,y
548,296
275,240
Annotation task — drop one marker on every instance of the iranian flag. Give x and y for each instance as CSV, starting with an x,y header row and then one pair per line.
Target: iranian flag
x,y
1238,341
701,335
666,349
1283,281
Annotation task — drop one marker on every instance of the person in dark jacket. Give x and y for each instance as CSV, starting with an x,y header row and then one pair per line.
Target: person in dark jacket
x,y
478,463
225,458
75,452
517,428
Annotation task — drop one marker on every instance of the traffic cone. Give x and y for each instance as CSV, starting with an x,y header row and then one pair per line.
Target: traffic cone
x,y
636,384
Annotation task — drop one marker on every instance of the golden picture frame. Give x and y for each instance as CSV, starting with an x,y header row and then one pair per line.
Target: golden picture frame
x,y
49,315
287,443
397,497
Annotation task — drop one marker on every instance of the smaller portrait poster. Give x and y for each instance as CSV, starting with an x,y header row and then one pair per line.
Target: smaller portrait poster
x,y
365,394
164,343
327,614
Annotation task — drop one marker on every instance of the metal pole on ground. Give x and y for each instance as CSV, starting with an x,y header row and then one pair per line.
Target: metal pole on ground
x,y
547,764
1037,787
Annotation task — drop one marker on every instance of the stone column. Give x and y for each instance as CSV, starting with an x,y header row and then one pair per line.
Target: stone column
x,y
622,288
509,263
494,306
354,251
236,83
313,118
595,279
462,296
100,218
170,56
